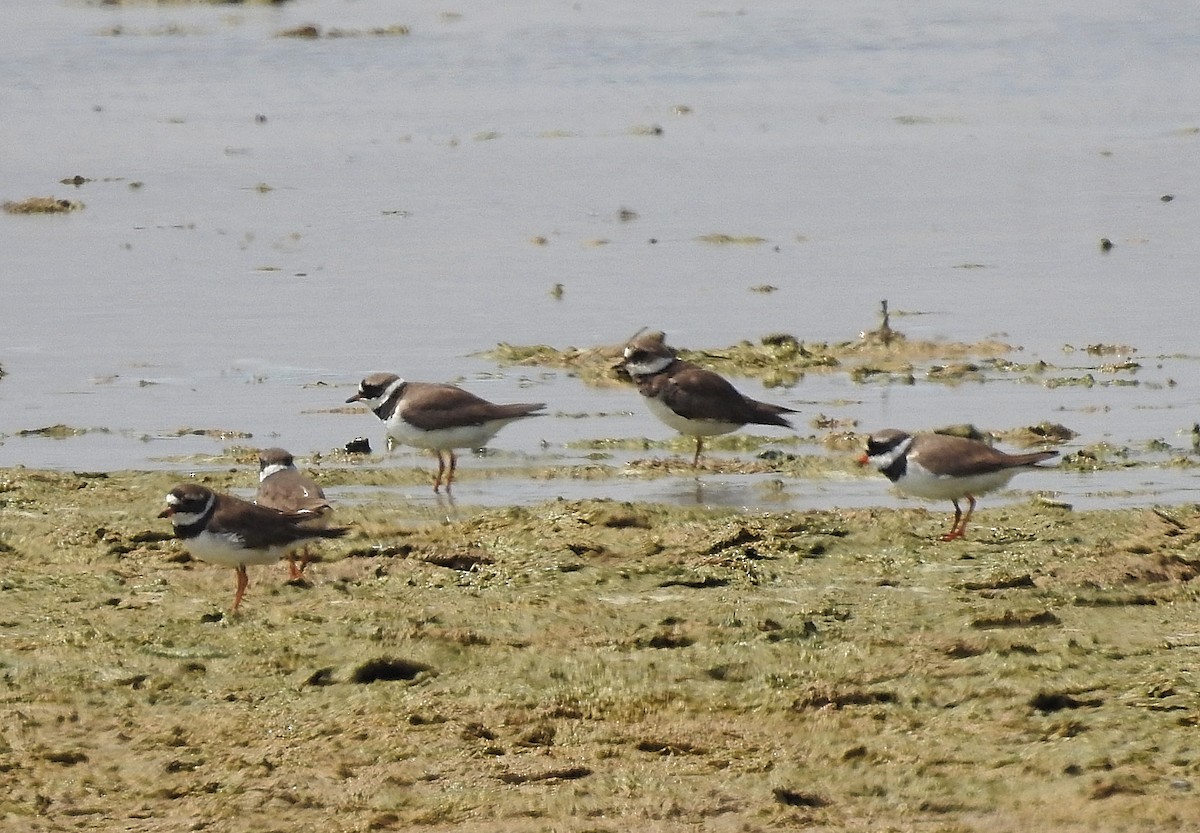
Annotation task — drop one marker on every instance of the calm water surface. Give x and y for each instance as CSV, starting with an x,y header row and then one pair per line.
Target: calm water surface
x,y
311,210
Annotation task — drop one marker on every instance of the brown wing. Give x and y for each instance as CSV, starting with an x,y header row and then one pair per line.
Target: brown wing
x,y
261,527
430,406
696,393
291,491
959,456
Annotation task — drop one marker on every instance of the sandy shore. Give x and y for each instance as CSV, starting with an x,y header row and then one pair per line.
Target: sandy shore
x,y
596,665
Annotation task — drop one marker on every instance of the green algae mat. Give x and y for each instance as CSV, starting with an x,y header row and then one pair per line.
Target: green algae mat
x,y
598,666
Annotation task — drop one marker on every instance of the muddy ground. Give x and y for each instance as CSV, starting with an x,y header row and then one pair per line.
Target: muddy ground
x,y
598,666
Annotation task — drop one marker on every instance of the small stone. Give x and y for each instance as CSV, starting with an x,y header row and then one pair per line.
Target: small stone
x,y
358,445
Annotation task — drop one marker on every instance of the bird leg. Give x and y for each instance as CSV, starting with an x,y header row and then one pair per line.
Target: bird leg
x,y
954,531
959,529
453,466
962,527
437,481
243,582
295,572
699,446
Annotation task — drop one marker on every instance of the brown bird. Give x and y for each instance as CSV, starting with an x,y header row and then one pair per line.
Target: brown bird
x,y
945,467
436,416
223,529
690,399
283,487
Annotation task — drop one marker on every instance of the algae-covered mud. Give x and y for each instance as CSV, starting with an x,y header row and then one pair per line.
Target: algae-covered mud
x,y
596,665
885,353
886,356
600,451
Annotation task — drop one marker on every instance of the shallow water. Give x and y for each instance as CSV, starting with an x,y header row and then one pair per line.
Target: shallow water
x,y
960,160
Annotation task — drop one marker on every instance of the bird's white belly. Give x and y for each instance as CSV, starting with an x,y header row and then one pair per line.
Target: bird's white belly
x,y
466,436
226,550
691,427
920,482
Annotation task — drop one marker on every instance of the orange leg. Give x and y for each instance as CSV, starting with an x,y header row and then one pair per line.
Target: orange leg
x,y
294,571
243,581
959,529
962,528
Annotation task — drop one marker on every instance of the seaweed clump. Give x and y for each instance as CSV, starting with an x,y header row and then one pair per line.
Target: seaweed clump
x,y
42,205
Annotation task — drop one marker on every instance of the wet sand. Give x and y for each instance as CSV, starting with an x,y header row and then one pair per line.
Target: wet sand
x,y
586,665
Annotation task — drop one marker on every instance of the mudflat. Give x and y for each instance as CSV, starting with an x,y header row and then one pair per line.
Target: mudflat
x,y
597,665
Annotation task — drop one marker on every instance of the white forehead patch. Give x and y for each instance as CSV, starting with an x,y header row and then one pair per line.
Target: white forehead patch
x,y
172,500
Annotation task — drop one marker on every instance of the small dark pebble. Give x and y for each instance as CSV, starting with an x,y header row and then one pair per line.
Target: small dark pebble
x,y
1105,244
358,445
1167,197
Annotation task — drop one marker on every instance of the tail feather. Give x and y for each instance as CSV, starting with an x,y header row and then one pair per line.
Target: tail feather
x,y
1032,458
522,409
764,413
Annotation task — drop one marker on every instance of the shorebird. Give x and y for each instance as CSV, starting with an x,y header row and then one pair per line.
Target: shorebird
x,y
283,487
223,529
945,467
690,399
436,416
